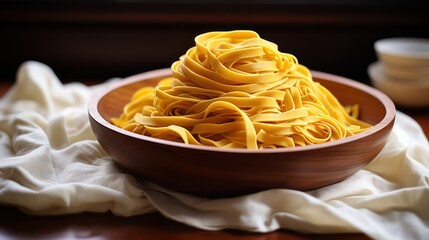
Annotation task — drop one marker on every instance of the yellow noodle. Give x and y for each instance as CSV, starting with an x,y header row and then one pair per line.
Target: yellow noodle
x,y
237,90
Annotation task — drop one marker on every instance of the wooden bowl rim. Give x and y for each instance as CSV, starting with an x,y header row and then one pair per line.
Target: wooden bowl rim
x,y
386,101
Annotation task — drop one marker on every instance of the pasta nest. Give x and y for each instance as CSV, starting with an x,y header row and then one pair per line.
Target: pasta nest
x,y
236,90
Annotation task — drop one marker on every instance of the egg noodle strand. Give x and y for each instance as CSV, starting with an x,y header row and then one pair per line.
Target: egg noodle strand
x,y
237,90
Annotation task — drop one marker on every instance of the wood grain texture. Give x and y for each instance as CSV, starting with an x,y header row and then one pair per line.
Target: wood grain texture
x,y
215,172
17,225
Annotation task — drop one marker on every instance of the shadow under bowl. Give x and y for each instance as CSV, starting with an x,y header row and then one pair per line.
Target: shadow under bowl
x,y
217,172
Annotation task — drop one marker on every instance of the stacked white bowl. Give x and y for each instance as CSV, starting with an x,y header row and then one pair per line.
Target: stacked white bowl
x,y
402,70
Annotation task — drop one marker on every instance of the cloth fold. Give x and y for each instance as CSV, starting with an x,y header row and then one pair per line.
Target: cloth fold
x,y
51,163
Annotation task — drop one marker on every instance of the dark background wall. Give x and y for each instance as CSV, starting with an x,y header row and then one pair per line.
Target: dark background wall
x,y
96,40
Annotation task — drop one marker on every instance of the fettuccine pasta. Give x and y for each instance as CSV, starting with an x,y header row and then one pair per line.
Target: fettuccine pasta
x,y
237,90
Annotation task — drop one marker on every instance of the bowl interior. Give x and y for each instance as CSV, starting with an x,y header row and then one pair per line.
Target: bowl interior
x,y
112,103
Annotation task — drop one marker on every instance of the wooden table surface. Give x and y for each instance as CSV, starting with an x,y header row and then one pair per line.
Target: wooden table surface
x,y
15,224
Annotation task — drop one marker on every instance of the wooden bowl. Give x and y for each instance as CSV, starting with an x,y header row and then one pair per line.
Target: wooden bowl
x,y
215,172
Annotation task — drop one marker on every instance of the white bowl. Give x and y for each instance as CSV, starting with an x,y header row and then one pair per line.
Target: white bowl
x,y
406,73
403,51
404,93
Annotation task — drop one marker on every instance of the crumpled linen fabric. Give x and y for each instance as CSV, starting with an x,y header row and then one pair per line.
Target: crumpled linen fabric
x,y
51,163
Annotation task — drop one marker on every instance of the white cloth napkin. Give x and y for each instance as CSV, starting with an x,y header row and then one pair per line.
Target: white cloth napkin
x,y
50,163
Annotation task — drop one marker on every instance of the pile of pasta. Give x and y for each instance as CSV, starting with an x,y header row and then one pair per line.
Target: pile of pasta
x,y
234,89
